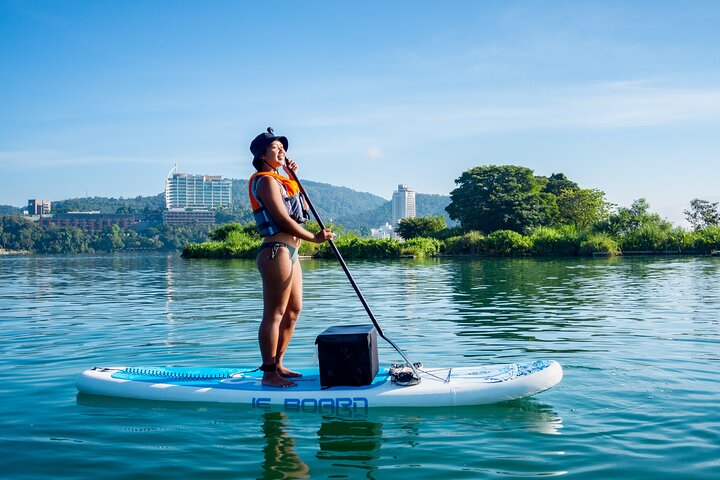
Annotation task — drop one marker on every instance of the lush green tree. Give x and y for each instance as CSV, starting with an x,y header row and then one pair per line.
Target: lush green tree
x,y
354,247
557,183
234,214
110,240
706,239
141,241
507,243
702,214
628,220
581,207
314,227
447,232
421,247
559,240
409,228
18,233
508,197
219,234
62,240
175,237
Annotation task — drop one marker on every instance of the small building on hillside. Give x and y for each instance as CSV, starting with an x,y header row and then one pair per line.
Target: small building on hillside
x,y
38,207
386,231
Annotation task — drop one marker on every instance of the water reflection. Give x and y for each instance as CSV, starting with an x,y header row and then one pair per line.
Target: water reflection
x,y
298,445
508,290
504,290
350,443
280,458
169,299
532,416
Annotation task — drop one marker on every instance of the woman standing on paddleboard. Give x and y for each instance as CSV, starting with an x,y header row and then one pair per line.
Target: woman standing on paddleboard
x,y
279,213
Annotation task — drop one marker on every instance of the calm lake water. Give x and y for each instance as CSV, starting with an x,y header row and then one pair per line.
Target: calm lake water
x,y
639,339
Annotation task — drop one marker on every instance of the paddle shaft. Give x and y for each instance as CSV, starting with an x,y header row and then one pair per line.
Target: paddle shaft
x,y
349,275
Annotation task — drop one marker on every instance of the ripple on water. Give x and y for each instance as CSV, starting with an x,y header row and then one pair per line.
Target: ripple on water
x,y
638,339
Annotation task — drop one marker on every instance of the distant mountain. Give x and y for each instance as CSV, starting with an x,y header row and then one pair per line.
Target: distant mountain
x,y
10,210
425,204
109,205
332,203
354,210
432,204
339,205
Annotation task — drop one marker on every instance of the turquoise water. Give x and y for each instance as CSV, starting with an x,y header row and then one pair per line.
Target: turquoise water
x,y
639,339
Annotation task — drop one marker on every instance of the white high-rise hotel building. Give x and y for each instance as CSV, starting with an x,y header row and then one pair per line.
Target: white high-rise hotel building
x,y
403,204
183,190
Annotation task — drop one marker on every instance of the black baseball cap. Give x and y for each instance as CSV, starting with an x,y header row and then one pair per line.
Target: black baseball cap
x,y
261,142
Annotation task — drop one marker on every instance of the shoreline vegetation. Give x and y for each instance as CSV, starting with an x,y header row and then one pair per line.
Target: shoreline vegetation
x,y
240,241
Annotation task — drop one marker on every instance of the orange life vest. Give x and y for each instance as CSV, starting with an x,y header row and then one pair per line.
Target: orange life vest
x,y
291,186
267,225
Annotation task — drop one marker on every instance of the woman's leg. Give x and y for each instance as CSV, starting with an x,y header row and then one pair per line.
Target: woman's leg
x,y
289,320
277,279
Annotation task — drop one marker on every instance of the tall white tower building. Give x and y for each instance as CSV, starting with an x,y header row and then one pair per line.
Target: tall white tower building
x,y
403,204
183,190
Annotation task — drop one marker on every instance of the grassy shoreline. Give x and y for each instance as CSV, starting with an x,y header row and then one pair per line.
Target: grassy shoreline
x,y
542,242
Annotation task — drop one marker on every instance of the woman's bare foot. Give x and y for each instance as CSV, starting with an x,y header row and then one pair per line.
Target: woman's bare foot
x,y
287,373
273,379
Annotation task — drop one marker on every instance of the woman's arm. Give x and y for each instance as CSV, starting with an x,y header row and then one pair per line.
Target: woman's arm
x,y
270,193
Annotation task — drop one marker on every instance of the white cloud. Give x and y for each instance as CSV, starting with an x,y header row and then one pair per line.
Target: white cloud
x,y
622,104
374,153
635,106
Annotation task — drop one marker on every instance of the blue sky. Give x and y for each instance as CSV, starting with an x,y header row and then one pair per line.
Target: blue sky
x,y
103,98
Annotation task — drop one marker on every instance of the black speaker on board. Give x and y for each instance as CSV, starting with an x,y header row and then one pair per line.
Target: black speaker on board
x,y
348,355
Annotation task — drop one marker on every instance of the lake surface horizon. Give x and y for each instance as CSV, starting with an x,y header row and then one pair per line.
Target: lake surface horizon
x,y
638,338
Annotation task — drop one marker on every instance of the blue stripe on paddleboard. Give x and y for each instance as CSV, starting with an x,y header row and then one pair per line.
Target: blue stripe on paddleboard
x,y
532,367
229,378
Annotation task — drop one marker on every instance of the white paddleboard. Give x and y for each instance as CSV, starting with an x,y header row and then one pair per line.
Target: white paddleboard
x,y
440,387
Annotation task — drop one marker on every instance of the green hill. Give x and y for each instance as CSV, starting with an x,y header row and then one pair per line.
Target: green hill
x,y
10,210
332,203
354,210
425,204
109,205
339,205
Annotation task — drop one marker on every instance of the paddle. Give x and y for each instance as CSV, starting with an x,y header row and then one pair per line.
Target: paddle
x,y
416,376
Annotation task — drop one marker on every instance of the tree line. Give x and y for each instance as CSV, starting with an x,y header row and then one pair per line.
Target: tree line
x,y
20,234
489,198
509,210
